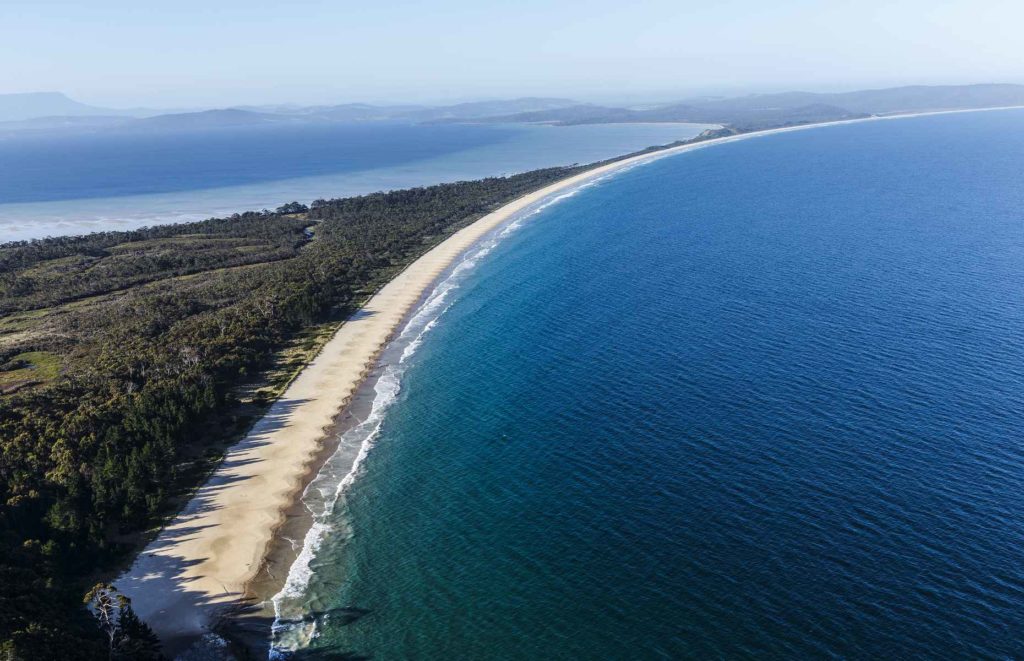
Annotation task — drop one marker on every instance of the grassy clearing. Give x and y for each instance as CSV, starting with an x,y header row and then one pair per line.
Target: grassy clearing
x,y
22,321
29,368
287,363
199,241
55,267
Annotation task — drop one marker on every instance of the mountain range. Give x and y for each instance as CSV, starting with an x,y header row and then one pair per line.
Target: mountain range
x,y
53,111
34,105
762,110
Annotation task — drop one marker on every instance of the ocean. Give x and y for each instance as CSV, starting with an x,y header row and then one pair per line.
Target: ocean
x,y
762,399
52,185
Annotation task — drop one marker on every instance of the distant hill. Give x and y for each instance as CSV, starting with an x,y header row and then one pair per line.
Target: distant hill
x,y
208,119
761,110
574,114
247,116
917,98
361,112
479,109
186,121
51,111
32,105
755,117
739,118
347,112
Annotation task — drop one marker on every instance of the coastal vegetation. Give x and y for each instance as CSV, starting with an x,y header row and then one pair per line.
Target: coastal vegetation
x,y
129,360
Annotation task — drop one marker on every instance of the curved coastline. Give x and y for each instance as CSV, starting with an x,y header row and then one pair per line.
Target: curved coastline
x,y
204,560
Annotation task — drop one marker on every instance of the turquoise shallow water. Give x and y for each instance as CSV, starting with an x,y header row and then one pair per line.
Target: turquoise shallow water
x,y
762,399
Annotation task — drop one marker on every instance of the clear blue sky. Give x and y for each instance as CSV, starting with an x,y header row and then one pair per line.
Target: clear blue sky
x,y
223,52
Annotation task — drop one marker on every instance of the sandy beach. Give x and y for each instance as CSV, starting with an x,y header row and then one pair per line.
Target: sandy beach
x,y
204,559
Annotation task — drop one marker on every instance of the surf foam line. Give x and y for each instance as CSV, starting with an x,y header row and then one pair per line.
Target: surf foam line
x,y
327,489
388,385
291,629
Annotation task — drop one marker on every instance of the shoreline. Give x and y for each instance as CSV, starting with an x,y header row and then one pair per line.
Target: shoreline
x,y
524,151
201,564
207,561
250,624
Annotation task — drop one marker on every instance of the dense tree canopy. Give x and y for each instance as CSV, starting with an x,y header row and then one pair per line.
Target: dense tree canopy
x,y
124,356
121,355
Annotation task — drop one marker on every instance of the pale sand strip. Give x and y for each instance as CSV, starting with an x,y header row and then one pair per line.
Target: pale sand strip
x,y
203,559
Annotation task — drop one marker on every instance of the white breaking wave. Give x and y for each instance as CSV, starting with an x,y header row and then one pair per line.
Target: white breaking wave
x,y
291,630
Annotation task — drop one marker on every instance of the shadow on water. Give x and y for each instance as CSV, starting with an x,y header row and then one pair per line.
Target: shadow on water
x,y
247,629
344,615
327,655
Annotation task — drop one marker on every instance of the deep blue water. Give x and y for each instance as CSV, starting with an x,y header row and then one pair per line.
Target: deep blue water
x,y
759,400
114,164
75,183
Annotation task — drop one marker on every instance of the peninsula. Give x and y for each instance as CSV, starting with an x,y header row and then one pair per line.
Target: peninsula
x,y
205,559
156,345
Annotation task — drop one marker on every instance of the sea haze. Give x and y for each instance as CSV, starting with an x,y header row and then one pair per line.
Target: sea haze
x,y
760,399
118,179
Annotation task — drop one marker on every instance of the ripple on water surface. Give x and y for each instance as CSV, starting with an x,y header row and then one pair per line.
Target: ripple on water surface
x,y
757,400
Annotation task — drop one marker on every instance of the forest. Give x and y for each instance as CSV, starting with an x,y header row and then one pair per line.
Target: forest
x,y
128,360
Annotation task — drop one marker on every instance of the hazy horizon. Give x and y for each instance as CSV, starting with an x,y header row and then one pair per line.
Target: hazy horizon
x,y
195,54
618,100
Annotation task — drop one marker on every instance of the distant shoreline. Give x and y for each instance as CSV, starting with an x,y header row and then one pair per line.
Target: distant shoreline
x,y
434,160
203,563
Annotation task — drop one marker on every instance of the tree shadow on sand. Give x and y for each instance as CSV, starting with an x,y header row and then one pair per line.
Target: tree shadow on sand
x,y
159,580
